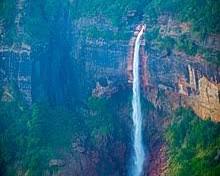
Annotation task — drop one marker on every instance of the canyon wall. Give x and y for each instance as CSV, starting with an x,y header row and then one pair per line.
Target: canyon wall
x,y
75,61
16,62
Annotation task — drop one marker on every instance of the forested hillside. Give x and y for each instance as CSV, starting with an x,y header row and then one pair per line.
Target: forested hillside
x,y
65,100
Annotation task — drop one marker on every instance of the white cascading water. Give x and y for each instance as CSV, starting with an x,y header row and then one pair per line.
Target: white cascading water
x,y
138,158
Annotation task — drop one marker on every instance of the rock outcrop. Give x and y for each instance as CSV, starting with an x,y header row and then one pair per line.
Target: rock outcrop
x,y
71,64
180,77
143,58
158,161
207,103
56,163
171,80
104,91
16,66
16,61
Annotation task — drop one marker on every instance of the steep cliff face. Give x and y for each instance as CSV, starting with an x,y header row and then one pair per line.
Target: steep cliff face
x,y
16,67
93,52
179,76
207,103
78,57
173,71
174,79
16,62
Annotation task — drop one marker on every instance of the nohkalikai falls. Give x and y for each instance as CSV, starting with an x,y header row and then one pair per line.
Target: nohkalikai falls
x,y
109,88
136,114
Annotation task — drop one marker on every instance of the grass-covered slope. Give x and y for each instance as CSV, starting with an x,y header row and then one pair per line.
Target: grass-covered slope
x,y
193,145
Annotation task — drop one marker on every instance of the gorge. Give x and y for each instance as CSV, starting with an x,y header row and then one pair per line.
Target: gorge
x,y
85,90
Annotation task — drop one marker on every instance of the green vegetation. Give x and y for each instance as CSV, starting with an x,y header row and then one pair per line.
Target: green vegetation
x,y
30,137
193,144
8,12
45,18
212,57
184,44
48,15
100,122
204,17
114,10
203,14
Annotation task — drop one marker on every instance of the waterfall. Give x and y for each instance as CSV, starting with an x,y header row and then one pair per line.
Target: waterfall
x,y
138,155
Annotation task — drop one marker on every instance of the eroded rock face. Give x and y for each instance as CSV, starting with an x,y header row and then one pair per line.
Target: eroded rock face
x,y
207,103
106,159
102,59
158,161
104,91
174,80
16,66
81,164
97,58
180,77
15,60
170,27
56,163
7,95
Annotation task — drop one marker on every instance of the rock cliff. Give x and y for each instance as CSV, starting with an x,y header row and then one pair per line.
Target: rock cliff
x,y
16,62
207,103
77,58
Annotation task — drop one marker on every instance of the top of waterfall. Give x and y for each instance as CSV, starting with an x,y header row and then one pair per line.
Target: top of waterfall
x,y
140,28
143,27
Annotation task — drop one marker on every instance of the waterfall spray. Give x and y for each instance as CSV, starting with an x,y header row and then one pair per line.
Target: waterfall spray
x,y
138,155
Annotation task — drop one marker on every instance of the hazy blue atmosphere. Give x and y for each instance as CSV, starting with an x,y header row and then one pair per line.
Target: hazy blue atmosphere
x,y
109,88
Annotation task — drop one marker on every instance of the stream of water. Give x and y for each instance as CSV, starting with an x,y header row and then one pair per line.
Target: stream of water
x,y
138,155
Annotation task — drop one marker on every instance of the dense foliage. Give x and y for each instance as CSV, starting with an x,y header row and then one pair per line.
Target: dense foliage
x,y
30,137
204,19
193,145
203,14
46,14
